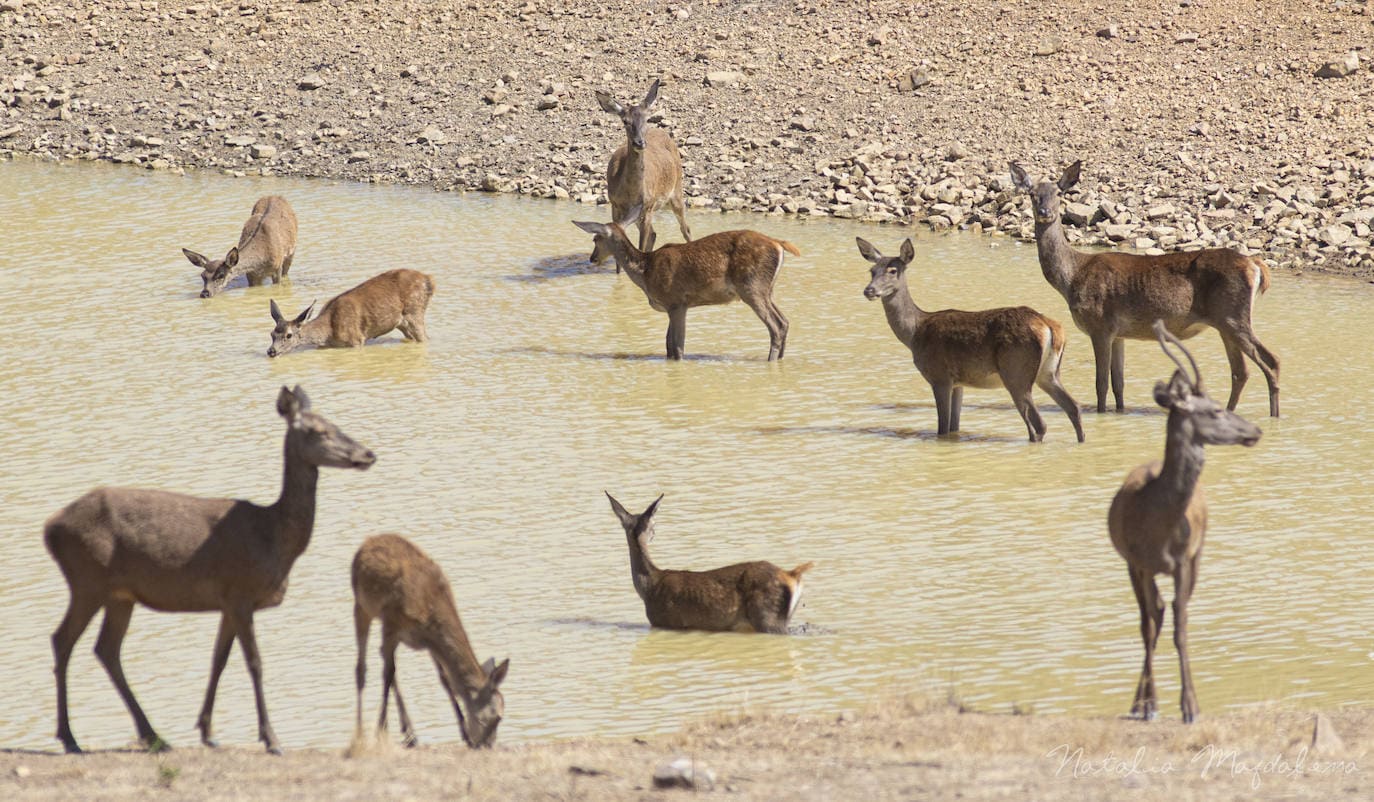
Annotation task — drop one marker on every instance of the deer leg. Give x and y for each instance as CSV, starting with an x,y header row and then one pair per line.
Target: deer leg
x,y
677,332
1185,577
286,265
1035,425
1239,372
1242,341
646,230
943,402
453,697
243,623
781,320
224,639
1102,358
80,611
1055,390
416,321
956,406
112,632
362,626
1119,372
777,331
680,212
390,686
1151,606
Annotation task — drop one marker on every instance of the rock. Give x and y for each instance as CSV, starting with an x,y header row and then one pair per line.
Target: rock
x,y
1185,38
722,78
1109,32
11,5
955,152
6,133
19,771
262,151
358,156
241,141
1079,214
913,80
501,110
1336,235
1325,741
431,135
1340,69
1160,212
1049,45
310,81
1118,233
546,103
802,123
686,773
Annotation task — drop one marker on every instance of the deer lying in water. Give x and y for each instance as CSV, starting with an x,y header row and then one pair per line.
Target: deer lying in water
x,y
397,582
396,299
1116,296
745,597
266,246
1159,516
715,269
180,554
1013,347
643,173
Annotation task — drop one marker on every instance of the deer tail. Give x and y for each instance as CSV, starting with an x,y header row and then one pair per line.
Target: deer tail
x,y
429,283
1263,274
789,247
793,580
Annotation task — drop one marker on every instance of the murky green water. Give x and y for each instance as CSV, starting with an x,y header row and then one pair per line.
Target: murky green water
x,y
979,564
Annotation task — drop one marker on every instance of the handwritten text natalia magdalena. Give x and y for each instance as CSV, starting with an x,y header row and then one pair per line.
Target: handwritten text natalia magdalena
x,y
1209,761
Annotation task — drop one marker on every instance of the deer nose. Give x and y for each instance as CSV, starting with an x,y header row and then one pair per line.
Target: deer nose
x,y
272,351
205,293
366,459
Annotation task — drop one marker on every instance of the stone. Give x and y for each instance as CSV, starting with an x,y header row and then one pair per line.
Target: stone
x,y
722,78
241,141
11,5
802,123
683,772
431,135
6,133
546,103
1049,45
1118,233
358,156
913,80
1335,235
955,152
310,81
1341,68
1079,214
1185,38
262,151
1109,32
1160,212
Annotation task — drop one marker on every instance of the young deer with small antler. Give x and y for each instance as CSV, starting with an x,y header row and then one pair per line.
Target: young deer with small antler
x,y
1014,347
745,597
397,582
643,173
1115,296
715,269
1158,518
266,247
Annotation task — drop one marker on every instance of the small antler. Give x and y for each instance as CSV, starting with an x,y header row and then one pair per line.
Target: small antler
x,y
1165,337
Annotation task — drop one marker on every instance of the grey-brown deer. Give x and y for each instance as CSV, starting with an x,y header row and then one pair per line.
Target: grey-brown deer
x,y
1116,296
397,582
266,247
644,173
396,299
1158,518
744,597
118,547
715,269
1014,347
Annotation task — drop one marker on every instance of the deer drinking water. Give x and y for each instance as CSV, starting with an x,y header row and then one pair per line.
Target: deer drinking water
x,y
1116,296
1158,518
643,173
181,554
396,299
397,582
715,269
266,246
1012,347
744,597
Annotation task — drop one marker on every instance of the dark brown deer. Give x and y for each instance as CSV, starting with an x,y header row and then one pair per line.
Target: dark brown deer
x,y
715,269
1158,518
397,582
266,247
1014,347
118,547
744,597
396,299
1116,296
643,173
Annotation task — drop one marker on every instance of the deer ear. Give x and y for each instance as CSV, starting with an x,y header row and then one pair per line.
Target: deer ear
x,y
496,675
653,237
1019,179
867,251
652,96
231,258
195,258
1070,176
609,104
627,519
908,251
304,316
592,228
288,406
276,311
1174,392
301,398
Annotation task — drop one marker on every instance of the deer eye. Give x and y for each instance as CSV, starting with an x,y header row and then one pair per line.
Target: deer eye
x,y
892,271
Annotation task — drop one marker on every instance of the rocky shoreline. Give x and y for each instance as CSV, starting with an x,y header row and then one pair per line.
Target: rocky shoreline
x,y
1201,123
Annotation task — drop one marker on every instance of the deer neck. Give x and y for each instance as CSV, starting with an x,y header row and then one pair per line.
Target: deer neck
x,y
903,315
632,170
1058,260
295,510
450,646
634,262
1183,461
643,572
315,332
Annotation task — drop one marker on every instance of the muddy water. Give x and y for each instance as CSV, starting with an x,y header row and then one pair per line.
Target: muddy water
x,y
977,566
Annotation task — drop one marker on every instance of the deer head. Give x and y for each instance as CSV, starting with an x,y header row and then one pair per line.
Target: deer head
x,y
286,334
1045,195
486,706
635,118
1204,421
888,272
214,274
610,239
314,439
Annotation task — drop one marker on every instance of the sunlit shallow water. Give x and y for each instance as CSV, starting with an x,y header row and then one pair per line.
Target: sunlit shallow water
x,y
977,565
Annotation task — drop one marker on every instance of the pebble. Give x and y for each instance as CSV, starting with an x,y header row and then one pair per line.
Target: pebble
x,y
1340,68
310,81
683,772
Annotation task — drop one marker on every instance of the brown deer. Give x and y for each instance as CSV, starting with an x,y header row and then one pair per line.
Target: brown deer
x,y
1159,516
397,582
715,269
396,299
1115,296
1014,347
266,246
744,597
181,554
645,172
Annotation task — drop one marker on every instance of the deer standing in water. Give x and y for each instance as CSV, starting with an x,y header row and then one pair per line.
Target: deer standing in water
x,y
715,269
1116,296
396,299
118,547
744,597
1158,518
1014,347
643,173
266,247
397,582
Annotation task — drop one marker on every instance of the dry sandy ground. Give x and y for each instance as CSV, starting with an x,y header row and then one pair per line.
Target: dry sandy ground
x,y
901,750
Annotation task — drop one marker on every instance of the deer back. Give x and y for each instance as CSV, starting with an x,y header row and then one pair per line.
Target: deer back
x,y
268,237
712,269
969,348
397,582
745,597
374,307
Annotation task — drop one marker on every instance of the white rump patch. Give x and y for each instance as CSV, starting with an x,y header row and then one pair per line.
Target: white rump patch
x,y
796,598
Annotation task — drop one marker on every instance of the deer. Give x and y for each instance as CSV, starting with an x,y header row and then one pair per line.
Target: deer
x,y
175,553
266,247
1158,518
396,299
1115,296
744,597
397,582
715,269
1014,347
645,172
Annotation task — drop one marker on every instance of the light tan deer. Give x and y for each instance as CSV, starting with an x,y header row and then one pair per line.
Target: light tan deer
x,y
266,247
397,582
645,172
1014,347
715,269
180,554
744,597
1116,296
396,299
1158,518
